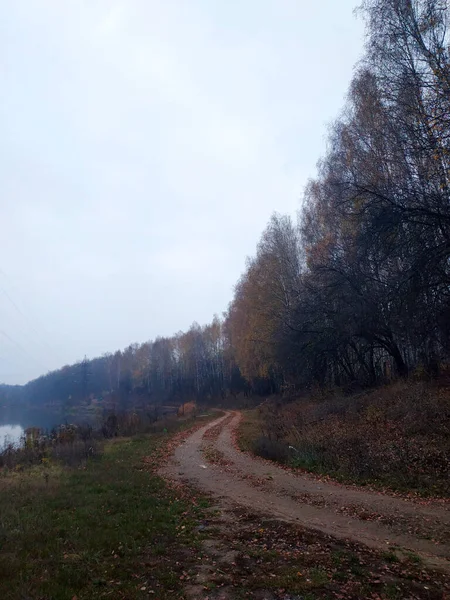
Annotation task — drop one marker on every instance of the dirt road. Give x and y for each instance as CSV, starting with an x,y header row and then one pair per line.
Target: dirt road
x,y
210,460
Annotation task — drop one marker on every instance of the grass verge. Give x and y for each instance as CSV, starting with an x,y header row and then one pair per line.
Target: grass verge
x,y
111,529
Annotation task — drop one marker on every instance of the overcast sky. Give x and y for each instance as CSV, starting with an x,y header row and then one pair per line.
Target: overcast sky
x,y
144,146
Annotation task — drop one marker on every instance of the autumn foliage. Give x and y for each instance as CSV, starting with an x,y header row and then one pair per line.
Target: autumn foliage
x,y
355,293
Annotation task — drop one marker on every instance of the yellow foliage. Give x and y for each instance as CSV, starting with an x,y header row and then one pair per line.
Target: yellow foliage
x,y
188,408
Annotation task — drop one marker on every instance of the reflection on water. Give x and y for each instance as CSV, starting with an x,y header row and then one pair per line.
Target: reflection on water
x,y
10,434
15,420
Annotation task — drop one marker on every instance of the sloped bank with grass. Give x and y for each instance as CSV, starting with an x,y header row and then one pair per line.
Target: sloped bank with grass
x,y
396,436
108,528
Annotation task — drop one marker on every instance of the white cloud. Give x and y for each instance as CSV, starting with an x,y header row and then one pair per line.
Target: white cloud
x,y
145,145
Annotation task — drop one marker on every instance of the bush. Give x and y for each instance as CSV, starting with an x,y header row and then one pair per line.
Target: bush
x,y
73,445
66,446
76,453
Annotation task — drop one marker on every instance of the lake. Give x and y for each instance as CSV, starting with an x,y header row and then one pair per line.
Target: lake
x,y
10,434
14,421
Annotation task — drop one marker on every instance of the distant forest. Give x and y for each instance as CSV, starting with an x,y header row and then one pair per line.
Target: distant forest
x,y
357,290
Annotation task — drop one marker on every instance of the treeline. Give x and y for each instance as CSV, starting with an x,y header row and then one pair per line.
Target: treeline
x,y
357,290
195,365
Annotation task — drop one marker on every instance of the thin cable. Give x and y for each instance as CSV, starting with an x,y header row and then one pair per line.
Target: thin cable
x,y
21,313
22,349
11,301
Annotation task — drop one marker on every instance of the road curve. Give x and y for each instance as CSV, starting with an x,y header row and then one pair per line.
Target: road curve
x,y
209,460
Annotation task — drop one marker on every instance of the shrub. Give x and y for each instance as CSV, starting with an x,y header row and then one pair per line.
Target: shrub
x,y
72,445
76,453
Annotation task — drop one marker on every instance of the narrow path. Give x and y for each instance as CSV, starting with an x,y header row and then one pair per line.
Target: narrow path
x,y
377,520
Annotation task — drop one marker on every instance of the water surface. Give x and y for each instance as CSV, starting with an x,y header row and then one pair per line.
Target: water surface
x,y
10,434
14,421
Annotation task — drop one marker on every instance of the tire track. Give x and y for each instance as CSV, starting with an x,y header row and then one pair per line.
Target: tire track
x,y
330,508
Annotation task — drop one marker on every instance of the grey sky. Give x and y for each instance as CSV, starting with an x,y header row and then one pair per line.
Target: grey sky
x,y
144,146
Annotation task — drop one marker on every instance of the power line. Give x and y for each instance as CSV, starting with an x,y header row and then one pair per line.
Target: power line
x,y
36,333
21,313
22,349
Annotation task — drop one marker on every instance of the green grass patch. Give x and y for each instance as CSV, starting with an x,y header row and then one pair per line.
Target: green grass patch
x,y
112,529
413,557
390,557
296,562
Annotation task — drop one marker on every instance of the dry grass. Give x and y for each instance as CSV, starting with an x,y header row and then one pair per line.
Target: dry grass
x,y
398,435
